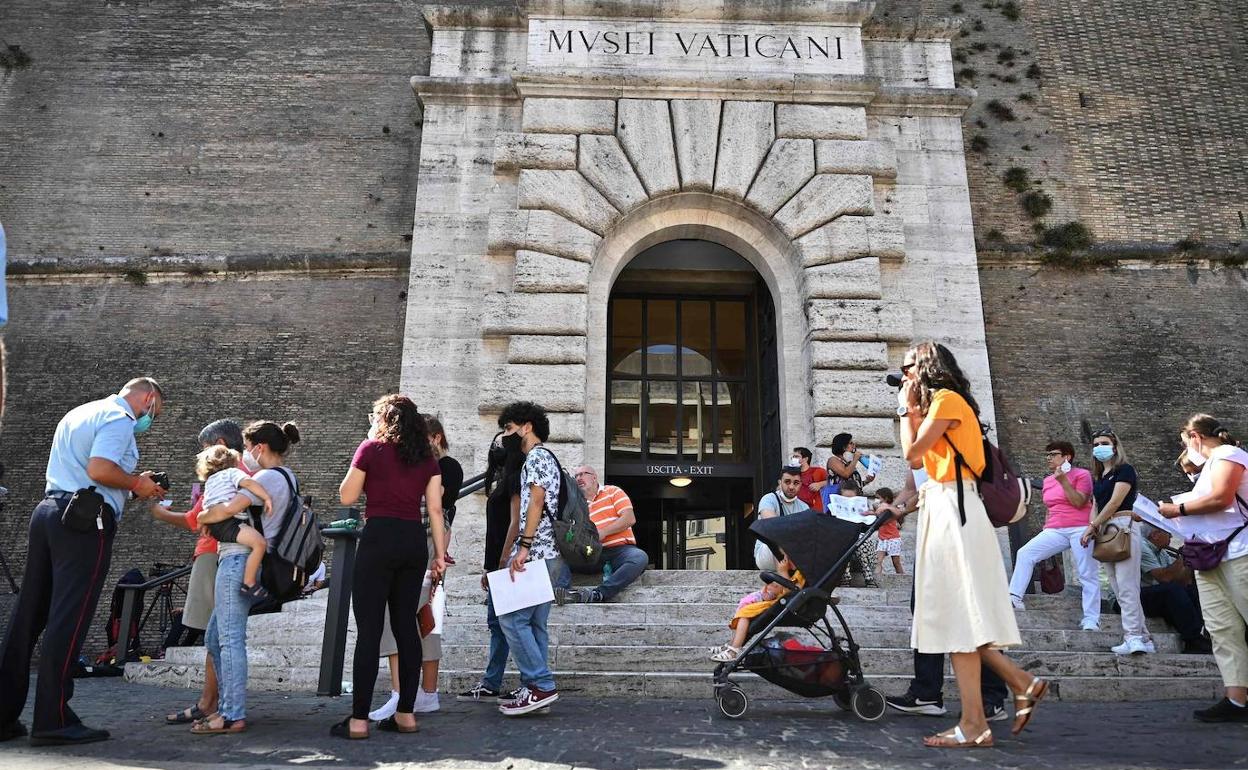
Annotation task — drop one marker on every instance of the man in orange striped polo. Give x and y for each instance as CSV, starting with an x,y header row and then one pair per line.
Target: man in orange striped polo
x,y
622,561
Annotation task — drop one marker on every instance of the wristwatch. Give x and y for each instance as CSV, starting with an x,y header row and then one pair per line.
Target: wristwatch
x,y
902,411
1182,509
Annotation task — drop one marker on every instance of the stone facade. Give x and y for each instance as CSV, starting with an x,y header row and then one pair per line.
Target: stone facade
x,y
542,173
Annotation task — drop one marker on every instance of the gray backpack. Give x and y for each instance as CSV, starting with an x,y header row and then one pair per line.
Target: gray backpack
x,y
576,535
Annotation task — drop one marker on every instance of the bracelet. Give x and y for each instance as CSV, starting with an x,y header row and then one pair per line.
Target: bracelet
x,y
520,541
1182,509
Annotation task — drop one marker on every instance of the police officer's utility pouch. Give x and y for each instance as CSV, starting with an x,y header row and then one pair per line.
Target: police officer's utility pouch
x,y
86,511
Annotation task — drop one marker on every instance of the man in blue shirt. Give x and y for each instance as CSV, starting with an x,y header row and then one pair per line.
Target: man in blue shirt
x,y
65,567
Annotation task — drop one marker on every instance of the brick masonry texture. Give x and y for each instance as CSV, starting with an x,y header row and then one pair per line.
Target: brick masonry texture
x,y
315,351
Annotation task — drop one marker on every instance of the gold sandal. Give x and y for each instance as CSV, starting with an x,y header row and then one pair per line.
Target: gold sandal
x,y
1034,694
956,739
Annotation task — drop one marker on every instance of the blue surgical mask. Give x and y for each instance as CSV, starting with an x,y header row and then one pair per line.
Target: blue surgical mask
x,y
144,421
1102,452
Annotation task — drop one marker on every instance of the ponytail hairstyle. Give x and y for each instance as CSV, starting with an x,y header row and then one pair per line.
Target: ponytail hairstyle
x,y
841,442
399,422
937,369
435,428
278,438
1207,425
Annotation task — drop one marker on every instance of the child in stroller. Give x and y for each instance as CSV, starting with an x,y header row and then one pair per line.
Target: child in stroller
x,y
751,606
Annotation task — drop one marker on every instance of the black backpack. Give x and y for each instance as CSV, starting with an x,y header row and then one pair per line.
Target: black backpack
x,y
576,535
296,551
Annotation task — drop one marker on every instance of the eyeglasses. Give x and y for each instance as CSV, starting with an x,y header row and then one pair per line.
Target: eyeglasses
x,y
1052,454
582,473
905,368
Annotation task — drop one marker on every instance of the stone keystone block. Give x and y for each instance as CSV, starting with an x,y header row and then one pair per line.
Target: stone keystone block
x,y
645,131
545,349
789,165
852,392
749,128
817,121
549,151
859,320
602,161
543,231
838,156
696,125
824,198
555,314
537,272
568,116
855,279
566,193
557,387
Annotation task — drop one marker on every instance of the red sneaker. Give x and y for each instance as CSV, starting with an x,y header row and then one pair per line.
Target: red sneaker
x,y
528,700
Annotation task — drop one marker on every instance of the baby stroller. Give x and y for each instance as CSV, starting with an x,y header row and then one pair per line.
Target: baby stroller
x,y
821,547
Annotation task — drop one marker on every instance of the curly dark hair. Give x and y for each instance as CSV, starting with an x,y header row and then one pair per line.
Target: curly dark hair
x,y
937,369
399,422
520,412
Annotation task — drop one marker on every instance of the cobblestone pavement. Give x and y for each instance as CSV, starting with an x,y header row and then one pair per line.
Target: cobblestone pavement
x,y
292,731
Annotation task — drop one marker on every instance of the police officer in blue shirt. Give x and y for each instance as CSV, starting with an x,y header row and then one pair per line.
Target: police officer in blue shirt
x,y
65,566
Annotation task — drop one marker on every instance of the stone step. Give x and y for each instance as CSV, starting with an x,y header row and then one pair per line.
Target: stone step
x,y
468,579
891,661
684,685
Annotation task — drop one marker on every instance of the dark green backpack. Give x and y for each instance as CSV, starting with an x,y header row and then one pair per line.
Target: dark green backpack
x,y
576,535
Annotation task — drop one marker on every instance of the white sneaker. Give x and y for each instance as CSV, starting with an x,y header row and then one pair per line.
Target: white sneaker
x,y
426,702
1090,625
1149,647
1017,601
387,710
1133,645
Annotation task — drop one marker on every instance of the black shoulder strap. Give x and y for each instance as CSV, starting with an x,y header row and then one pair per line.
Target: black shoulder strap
x,y
779,503
292,510
563,483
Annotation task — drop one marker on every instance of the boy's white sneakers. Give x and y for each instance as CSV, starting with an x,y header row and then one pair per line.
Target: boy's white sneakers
x,y
426,702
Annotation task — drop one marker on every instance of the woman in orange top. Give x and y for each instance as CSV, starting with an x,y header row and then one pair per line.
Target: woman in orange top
x,y
961,596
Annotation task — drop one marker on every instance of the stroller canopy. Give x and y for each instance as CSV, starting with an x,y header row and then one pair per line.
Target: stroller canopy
x,y
814,541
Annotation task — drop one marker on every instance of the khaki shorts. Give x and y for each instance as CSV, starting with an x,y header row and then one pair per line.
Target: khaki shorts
x,y
200,592
431,645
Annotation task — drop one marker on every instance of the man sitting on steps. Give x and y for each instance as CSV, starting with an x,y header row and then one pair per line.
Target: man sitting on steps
x,y
623,562
1168,591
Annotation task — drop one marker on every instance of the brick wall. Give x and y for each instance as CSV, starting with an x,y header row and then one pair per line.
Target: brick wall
x,y
313,350
1139,350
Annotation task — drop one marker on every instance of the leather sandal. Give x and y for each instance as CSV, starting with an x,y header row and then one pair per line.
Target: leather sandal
x,y
391,725
343,730
1028,700
186,716
956,739
228,726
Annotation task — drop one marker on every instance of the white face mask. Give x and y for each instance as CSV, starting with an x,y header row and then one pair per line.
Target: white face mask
x,y
250,462
795,461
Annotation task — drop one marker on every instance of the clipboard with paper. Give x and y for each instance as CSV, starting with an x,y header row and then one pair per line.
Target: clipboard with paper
x,y
530,588
1203,528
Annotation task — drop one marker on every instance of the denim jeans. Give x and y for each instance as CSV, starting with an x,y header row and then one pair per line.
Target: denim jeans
x,y
526,635
226,636
627,563
499,651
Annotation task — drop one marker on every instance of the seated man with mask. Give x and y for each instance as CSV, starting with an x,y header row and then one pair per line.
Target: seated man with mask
x,y
1168,591
780,502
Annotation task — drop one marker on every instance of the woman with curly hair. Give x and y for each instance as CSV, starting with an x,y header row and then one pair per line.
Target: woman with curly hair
x,y
395,468
961,600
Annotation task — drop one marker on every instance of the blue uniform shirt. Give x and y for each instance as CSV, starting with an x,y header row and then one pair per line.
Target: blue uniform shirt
x,y
104,429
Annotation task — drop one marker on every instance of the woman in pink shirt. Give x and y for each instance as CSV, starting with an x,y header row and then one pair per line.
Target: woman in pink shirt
x,y
1068,496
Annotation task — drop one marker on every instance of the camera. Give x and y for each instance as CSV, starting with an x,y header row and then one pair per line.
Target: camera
x,y
893,380
162,479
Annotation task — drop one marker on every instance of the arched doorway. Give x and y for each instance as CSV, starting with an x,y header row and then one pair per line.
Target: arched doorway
x,y
692,428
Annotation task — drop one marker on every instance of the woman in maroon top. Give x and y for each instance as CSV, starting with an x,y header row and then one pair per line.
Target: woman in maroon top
x,y
396,470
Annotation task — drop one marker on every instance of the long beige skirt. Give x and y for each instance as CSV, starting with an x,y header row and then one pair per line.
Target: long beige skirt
x,y
961,594
200,592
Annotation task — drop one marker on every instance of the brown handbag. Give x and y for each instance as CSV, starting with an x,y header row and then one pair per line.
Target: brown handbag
x,y
1052,576
424,617
1111,544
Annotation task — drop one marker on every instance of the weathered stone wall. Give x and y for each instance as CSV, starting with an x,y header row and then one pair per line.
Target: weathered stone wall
x,y
1137,349
209,128
312,350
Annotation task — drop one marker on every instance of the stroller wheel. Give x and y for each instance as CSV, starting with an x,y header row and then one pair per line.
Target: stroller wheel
x,y
868,704
842,698
732,702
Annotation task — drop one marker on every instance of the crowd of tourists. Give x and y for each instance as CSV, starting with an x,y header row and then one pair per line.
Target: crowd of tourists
x,y
963,604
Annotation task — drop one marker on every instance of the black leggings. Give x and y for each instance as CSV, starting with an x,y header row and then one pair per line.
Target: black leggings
x,y
389,569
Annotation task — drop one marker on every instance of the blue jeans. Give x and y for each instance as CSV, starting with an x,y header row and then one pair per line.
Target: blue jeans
x,y
526,635
627,563
226,636
499,651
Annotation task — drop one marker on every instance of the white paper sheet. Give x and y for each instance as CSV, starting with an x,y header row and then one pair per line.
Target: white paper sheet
x,y
531,587
1205,528
850,509
875,464
1147,510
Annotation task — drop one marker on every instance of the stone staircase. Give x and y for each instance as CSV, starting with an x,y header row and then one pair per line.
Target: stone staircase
x,y
653,642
